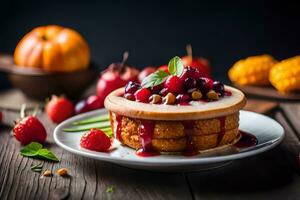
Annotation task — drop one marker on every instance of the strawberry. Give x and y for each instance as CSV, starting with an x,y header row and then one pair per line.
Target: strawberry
x,y
95,140
29,129
59,109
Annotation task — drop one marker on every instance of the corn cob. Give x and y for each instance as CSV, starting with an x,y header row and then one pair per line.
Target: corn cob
x,y
285,75
253,70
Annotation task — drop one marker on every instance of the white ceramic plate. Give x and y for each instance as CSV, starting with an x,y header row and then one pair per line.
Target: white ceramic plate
x,y
268,132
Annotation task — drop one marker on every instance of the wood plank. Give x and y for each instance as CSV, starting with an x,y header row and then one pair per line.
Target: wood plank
x,y
88,178
271,175
260,106
292,112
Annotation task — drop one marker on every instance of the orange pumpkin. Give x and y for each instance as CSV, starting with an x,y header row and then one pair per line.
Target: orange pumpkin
x,y
53,48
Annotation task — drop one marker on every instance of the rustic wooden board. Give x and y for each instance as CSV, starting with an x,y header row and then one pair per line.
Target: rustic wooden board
x,y
269,92
271,175
88,178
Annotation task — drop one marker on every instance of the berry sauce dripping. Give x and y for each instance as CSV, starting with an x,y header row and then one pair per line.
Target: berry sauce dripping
x,y
146,130
119,127
222,130
227,93
190,150
247,140
184,104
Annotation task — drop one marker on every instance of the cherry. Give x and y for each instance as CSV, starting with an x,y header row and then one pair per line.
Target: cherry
x,y
204,85
189,83
174,84
182,98
145,72
199,63
142,95
218,87
132,87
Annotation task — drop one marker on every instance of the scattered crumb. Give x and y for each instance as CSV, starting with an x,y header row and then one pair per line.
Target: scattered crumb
x,y
62,171
47,173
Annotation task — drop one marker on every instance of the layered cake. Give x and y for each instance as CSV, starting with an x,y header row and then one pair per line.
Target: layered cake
x,y
182,113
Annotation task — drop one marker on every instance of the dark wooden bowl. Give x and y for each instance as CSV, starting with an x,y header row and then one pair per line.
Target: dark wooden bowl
x,y
39,84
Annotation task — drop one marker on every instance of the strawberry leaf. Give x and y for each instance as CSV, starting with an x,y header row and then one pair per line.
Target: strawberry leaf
x,y
31,149
36,150
175,66
154,79
48,155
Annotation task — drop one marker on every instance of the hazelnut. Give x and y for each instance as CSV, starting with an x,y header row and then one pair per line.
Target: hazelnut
x,y
212,95
129,96
196,95
155,98
47,173
169,99
62,172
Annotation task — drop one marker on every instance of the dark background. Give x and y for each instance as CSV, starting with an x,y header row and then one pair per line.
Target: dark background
x,y
155,31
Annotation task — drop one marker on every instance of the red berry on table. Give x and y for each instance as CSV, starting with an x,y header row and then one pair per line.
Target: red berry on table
x,y
131,87
94,102
96,140
174,84
59,108
142,95
30,129
146,72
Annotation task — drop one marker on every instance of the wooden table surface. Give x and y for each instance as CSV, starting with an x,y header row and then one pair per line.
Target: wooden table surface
x,y
270,175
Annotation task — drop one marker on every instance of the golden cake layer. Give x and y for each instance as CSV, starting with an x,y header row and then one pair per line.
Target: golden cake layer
x,y
170,136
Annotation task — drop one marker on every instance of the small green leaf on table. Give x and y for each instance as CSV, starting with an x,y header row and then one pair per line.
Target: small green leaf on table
x,y
36,150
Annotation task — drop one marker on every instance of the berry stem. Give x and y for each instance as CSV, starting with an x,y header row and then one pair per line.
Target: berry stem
x,y
22,111
36,109
189,50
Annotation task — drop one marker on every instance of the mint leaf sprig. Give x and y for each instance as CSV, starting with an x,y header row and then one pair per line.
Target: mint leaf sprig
x,y
175,68
36,150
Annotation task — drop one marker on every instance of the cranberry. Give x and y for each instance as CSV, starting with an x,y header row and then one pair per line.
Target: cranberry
x,y
132,87
174,84
189,83
189,72
218,87
182,98
204,85
142,95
